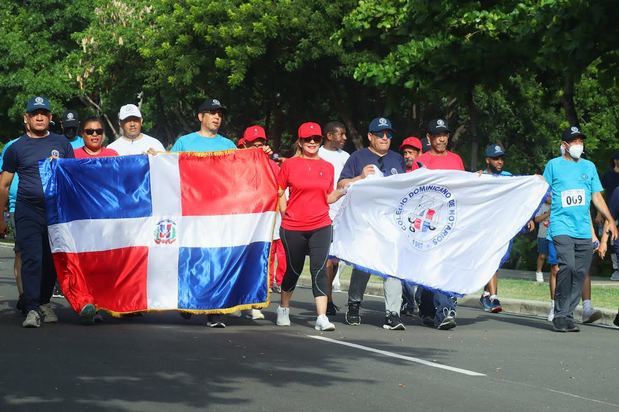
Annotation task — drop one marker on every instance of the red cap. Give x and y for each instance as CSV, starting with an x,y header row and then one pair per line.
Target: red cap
x,y
309,129
411,141
241,143
253,133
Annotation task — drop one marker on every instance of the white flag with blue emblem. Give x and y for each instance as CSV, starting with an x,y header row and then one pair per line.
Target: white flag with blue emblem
x,y
443,229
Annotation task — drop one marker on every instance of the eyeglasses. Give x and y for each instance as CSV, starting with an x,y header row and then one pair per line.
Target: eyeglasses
x,y
384,134
314,139
93,132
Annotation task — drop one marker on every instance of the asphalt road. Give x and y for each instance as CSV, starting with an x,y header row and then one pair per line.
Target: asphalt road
x,y
162,362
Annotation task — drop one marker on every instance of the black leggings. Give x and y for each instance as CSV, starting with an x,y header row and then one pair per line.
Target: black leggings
x,y
298,244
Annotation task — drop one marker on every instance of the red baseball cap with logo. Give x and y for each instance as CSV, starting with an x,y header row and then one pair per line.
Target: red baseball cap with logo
x,y
309,129
241,143
411,141
253,133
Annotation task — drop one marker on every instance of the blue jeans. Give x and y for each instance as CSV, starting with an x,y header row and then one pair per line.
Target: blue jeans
x,y
408,294
436,305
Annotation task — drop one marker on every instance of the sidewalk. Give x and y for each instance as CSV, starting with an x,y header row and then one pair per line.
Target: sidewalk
x,y
517,306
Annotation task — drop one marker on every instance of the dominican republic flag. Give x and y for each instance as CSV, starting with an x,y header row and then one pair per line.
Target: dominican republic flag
x,y
173,231
445,230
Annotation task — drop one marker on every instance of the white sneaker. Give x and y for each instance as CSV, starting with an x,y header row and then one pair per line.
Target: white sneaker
x,y
33,320
322,323
615,275
539,277
48,313
551,314
283,316
591,315
253,314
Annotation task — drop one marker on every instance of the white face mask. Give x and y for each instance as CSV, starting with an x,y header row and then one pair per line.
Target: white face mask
x,y
576,150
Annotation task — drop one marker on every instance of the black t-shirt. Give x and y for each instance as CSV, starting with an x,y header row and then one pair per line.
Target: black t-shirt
x,y
610,181
391,163
23,156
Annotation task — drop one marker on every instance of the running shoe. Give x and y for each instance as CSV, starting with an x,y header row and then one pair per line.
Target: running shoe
x,y
185,315
407,310
559,324
49,316
332,309
283,316
428,320
591,315
57,292
393,322
616,321
495,306
615,275
214,321
323,324
87,314
571,326
275,288
352,315
33,320
539,277
253,314
449,321
485,302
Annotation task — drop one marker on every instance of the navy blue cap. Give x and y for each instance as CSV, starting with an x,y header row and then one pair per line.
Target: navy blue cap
x,y
37,103
494,150
212,104
572,133
438,126
379,124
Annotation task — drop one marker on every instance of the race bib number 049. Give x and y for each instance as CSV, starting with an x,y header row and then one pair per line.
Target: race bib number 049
x,y
574,197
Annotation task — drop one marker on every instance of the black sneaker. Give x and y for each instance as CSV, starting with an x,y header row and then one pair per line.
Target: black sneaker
x,y
332,309
214,321
616,321
393,322
407,310
57,292
352,315
571,326
449,320
20,304
559,324
185,315
428,320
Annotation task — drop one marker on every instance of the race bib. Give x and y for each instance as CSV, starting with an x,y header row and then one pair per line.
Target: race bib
x,y
574,197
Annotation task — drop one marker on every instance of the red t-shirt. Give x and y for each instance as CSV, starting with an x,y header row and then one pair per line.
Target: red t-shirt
x,y
309,182
448,161
105,152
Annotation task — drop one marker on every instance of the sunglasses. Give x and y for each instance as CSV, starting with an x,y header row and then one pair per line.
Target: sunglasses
x,y
381,135
315,139
93,132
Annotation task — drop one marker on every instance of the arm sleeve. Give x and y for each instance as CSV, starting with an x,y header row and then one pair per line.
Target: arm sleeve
x,y
596,185
282,177
548,173
331,175
348,171
461,164
178,145
70,152
9,160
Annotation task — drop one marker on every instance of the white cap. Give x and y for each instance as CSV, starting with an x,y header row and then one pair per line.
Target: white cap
x,y
129,110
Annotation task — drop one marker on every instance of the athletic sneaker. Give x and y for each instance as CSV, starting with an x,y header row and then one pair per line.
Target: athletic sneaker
x,y
275,288
253,314
57,292
539,277
591,315
323,324
616,321
449,321
559,324
185,315
485,302
352,315
33,320
571,326
48,313
283,316
98,318
87,314
615,275
214,321
332,309
393,322
495,306
428,320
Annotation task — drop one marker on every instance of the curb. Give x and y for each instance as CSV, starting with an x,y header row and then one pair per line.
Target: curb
x,y
513,306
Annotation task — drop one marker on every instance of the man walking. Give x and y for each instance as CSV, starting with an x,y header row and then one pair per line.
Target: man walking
x,y
133,141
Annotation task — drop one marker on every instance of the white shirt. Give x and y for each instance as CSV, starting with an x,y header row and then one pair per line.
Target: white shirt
x,y
337,158
140,145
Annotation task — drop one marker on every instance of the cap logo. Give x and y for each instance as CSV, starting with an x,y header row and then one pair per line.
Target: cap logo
x,y
70,116
440,123
216,102
497,148
38,100
382,122
574,129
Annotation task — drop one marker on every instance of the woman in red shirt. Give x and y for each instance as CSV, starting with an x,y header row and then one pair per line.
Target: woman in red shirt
x,y
93,134
306,226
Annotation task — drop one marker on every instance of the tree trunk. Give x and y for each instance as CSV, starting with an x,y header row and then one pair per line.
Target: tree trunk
x,y
567,100
474,121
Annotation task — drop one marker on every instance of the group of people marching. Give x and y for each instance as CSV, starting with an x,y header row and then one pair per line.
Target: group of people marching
x,y
311,185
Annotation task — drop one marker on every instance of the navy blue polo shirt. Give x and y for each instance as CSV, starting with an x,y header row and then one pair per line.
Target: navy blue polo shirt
x,y
23,156
390,164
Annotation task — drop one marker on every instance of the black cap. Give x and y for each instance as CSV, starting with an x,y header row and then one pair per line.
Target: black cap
x,y
70,118
438,126
572,133
212,104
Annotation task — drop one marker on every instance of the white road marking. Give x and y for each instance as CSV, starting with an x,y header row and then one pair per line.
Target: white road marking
x,y
398,356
